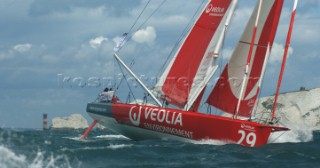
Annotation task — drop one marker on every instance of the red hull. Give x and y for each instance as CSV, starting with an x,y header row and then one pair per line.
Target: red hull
x,y
190,125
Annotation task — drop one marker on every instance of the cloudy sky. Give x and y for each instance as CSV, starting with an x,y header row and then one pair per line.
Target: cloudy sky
x,y
55,56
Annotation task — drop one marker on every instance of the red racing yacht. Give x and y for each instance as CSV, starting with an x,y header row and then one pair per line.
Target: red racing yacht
x,y
183,83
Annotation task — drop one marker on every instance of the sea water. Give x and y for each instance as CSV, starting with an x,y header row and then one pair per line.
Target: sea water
x,y
32,148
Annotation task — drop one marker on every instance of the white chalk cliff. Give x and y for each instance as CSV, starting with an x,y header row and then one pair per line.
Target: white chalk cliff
x,y
297,109
74,121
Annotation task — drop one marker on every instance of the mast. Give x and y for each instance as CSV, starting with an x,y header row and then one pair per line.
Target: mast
x,y
246,71
137,79
284,59
215,57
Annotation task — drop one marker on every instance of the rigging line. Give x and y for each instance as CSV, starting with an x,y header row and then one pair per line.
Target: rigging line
x,y
129,36
202,104
126,81
209,110
130,66
126,38
183,34
135,22
278,136
151,15
114,73
254,111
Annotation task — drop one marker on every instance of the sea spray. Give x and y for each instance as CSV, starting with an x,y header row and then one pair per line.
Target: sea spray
x,y
9,159
292,136
297,133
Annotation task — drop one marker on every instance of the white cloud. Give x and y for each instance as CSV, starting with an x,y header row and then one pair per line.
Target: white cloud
x,y
96,42
97,48
147,35
277,53
22,47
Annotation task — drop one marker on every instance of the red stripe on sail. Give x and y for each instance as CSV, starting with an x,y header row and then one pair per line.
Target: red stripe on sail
x,y
222,96
179,80
267,37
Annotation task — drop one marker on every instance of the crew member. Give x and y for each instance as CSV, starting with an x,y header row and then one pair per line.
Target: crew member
x,y
110,95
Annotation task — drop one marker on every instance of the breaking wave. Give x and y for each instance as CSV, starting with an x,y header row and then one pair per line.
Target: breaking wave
x,y
9,159
293,136
296,134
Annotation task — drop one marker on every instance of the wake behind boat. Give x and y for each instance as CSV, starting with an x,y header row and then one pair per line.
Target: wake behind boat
x,y
184,81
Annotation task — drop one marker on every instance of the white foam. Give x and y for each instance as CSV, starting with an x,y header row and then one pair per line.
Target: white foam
x,y
111,146
106,137
9,159
210,142
84,148
47,142
40,161
78,139
292,136
298,133
111,137
119,146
